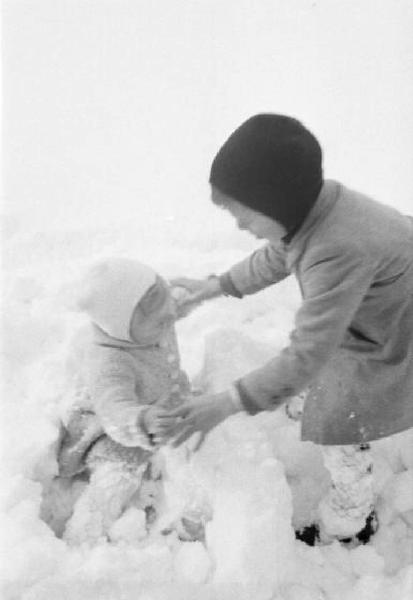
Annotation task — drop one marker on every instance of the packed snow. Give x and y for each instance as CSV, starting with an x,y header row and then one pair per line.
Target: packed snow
x,y
260,481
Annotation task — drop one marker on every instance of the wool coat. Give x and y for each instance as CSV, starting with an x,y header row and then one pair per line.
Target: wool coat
x,y
352,343
110,383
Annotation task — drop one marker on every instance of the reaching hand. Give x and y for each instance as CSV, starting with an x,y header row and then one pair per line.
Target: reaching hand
x,y
155,423
190,293
199,415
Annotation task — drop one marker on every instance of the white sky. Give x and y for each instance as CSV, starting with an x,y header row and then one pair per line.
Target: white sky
x,y
113,109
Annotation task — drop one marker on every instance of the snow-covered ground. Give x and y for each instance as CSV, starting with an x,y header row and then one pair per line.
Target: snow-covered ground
x,y
113,112
260,479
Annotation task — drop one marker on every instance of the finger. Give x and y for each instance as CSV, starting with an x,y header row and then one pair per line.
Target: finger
x,y
183,437
176,429
166,417
166,422
185,282
165,432
199,442
160,439
182,411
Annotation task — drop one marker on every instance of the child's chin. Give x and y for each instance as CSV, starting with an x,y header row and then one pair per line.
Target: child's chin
x,y
149,341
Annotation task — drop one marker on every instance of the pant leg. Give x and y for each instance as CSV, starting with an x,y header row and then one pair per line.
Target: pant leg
x,y
188,495
350,500
115,476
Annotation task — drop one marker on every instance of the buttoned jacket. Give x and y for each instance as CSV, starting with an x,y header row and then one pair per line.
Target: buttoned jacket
x,y
352,343
111,382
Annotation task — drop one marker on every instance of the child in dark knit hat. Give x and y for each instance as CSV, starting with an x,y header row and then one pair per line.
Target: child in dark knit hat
x,y
351,349
125,375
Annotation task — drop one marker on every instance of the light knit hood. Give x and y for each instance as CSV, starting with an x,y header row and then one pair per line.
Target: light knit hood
x,y
110,292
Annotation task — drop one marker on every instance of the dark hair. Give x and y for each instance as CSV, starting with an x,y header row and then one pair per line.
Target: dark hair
x,y
272,164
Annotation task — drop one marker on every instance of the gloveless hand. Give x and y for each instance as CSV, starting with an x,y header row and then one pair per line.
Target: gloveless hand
x,y
190,293
200,415
155,423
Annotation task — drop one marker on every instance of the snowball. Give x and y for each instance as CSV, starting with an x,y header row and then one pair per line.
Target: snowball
x,y
130,527
399,491
301,592
250,536
372,587
192,562
240,468
366,561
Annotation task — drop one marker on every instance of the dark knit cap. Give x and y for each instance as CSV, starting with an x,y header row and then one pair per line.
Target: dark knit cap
x,y
273,165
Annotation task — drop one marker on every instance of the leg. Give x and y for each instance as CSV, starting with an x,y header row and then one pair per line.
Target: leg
x,y
58,500
110,488
115,475
189,498
350,500
150,494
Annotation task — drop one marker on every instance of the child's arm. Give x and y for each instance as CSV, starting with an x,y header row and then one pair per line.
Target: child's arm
x,y
265,266
334,282
115,401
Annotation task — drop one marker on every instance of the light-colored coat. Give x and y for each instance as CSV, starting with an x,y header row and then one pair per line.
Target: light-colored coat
x,y
352,344
111,383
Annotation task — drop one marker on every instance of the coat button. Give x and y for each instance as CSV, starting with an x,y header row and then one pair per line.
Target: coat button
x,y
171,358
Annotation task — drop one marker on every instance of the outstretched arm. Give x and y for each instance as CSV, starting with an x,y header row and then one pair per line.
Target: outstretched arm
x,y
262,268
334,284
256,272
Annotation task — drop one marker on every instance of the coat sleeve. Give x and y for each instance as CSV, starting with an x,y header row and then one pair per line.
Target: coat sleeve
x,y
115,401
334,285
265,266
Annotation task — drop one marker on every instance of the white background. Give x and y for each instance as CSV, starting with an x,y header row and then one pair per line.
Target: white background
x,y
113,109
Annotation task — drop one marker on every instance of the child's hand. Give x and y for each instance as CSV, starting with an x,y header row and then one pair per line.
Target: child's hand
x,y
155,422
200,414
190,293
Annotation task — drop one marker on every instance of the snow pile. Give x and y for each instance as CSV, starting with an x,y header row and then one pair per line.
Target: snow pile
x,y
257,477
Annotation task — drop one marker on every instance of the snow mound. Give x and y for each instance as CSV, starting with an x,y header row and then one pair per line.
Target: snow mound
x,y
256,477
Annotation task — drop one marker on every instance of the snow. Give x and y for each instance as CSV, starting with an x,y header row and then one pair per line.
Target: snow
x,y
254,474
192,563
113,112
130,527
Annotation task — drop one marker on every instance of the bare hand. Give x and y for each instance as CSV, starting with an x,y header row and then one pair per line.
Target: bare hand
x,y
199,415
190,293
155,422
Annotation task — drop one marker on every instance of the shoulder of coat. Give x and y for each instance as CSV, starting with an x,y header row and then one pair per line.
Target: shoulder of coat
x,y
110,360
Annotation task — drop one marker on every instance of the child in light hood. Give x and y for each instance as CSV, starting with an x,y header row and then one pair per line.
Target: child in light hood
x,y
126,373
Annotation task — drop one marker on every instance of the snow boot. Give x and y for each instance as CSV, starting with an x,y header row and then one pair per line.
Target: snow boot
x,y
310,535
364,535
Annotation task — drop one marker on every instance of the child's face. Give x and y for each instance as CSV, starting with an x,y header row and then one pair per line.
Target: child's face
x,y
154,314
259,225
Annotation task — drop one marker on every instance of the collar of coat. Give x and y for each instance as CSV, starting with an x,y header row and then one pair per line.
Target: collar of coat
x,y
101,338
325,202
